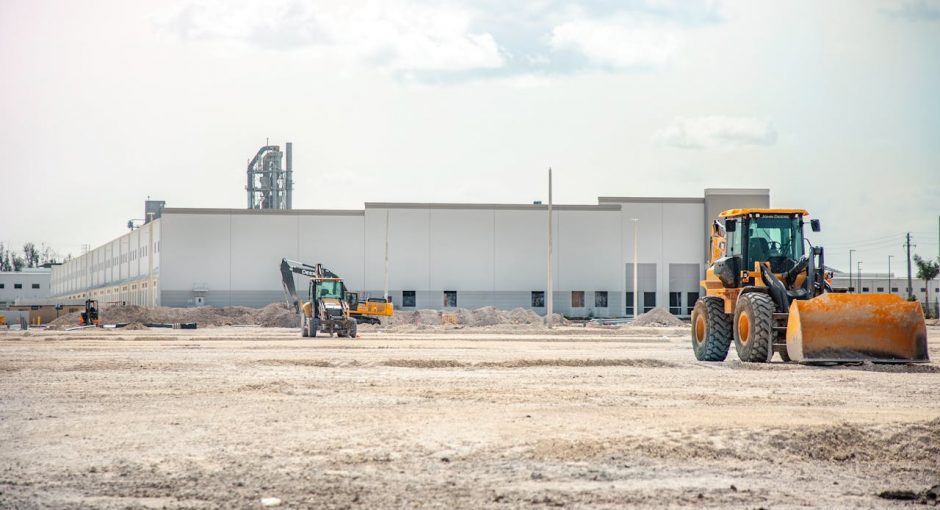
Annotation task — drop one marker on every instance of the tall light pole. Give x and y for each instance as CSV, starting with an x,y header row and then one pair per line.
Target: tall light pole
x,y
889,274
636,239
548,297
850,270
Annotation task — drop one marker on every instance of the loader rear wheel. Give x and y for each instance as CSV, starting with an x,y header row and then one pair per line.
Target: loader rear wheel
x,y
753,327
711,329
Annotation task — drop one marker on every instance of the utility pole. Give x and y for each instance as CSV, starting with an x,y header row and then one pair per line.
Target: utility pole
x,y
850,270
385,293
910,283
636,250
859,288
548,296
889,274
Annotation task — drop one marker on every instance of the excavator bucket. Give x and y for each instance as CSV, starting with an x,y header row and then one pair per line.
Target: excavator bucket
x,y
841,328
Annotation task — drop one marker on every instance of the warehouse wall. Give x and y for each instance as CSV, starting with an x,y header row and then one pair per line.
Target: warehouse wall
x,y
115,271
232,256
494,254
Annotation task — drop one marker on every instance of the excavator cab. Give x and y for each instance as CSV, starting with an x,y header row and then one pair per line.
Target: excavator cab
x,y
768,290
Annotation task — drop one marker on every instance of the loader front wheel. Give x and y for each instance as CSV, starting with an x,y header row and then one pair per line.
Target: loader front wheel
x,y
314,326
353,328
753,327
711,329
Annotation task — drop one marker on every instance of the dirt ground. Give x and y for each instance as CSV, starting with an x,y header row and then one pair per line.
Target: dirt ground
x,y
466,418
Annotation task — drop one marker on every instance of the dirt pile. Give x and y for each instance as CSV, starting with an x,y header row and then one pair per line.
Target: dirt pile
x,y
657,318
275,315
486,316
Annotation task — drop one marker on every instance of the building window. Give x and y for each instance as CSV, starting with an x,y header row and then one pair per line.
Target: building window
x,y
894,289
408,299
629,302
649,301
35,285
577,299
690,299
881,289
538,298
675,303
17,285
450,298
2,285
851,289
923,289
600,299
864,289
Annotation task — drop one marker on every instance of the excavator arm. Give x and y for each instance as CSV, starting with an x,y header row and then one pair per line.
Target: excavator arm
x,y
288,269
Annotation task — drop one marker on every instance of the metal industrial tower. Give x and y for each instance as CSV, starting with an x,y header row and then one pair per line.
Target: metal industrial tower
x,y
269,185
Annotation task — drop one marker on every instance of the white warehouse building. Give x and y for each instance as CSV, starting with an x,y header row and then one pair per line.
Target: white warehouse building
x,y
440,255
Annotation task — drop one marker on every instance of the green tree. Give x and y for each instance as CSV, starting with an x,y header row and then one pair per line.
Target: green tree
x,y
926,270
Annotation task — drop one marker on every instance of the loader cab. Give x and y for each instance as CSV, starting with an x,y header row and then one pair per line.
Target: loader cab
x,y
774,237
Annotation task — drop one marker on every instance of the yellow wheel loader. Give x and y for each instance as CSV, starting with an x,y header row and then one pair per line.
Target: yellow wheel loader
x,y
326,309
767,289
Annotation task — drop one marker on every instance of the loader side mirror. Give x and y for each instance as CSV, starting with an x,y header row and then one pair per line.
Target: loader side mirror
x,y
814,225
731,225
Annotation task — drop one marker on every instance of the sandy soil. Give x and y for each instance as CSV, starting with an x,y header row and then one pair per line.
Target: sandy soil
x,y
223,417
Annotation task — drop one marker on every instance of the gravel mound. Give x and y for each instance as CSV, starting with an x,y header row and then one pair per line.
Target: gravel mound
x,y
657,318
275,315
486,316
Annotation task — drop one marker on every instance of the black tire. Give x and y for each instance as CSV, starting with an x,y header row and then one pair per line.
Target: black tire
x,y
754,327
314,326
353,328
711,329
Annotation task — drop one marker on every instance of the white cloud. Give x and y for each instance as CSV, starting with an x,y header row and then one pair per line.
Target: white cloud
x,y
618,44
717,132
395,35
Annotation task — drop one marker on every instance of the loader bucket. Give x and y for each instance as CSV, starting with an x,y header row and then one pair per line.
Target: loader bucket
x,y
840,328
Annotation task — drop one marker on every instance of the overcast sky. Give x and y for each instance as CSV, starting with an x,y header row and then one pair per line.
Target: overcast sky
x,y
834,106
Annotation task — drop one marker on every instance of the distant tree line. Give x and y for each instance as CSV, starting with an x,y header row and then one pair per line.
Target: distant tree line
x,y
31,256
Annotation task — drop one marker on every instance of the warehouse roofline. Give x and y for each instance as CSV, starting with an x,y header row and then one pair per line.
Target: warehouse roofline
x,y
737,191
265,212
534,207
671,200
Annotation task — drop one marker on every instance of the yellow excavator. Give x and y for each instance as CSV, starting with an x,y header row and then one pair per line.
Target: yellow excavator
x,y
767,288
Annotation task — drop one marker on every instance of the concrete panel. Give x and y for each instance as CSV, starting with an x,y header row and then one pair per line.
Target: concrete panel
x,y
589,251
334,241
408,249
258,245
195,249
461,249
521,241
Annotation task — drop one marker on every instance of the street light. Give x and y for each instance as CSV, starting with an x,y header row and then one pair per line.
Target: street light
x,y
850,269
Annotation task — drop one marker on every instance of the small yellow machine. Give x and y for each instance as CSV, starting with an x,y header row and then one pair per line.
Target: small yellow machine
x,y
90,316
368,311
767,288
